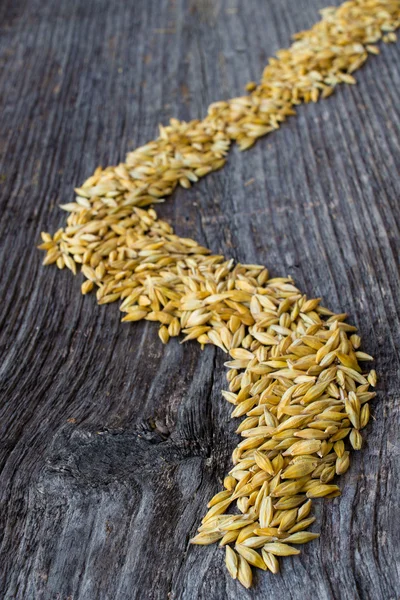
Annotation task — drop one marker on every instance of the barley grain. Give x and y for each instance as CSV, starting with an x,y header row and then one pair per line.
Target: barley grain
x,y
294,372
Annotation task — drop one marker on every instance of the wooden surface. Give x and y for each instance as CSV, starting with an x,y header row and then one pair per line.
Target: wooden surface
x,y
112,444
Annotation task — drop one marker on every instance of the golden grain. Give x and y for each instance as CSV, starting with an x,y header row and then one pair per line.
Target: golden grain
x,y
231,561
280,549
244,572
294,371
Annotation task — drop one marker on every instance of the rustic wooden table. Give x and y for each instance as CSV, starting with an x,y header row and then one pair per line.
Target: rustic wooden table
x,y
111,443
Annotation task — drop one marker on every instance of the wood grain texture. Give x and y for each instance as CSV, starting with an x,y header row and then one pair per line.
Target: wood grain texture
x,y
112,444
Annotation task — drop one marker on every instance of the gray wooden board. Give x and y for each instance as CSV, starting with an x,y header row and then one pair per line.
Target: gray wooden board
x,y
111,443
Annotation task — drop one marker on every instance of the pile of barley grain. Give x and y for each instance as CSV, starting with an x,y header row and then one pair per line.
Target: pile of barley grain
x,y
295,371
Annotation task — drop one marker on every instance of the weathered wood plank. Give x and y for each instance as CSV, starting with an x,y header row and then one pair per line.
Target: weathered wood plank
x,y
111,444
